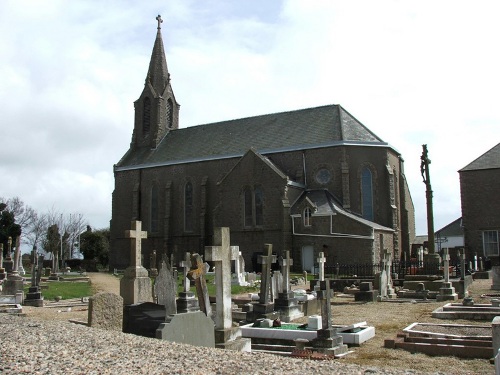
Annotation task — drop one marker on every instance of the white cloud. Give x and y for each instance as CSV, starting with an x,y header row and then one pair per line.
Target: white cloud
x,y
413,72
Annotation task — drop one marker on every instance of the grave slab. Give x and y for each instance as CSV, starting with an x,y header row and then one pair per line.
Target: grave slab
x,y
193,328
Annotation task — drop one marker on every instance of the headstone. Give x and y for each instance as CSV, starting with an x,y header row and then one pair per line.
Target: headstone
x,y
239,271
135,285
20,267
187,301
286,303
197,274
106,311
328,341
8,264
194,328
165,289
447,291
276,284
3,273
265,307
321,262
222,253
34,296
386,287
153,271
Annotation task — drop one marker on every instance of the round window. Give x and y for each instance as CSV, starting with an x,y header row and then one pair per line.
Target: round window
x,y
323,176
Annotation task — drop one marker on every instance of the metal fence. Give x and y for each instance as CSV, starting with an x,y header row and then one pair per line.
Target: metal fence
x,y
369,270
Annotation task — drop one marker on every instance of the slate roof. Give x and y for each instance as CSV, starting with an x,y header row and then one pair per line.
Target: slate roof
x,y
301,129
326,204
452,229
489,160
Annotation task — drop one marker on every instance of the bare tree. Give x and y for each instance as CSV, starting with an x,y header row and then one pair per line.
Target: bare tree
x,y
24,216
36,231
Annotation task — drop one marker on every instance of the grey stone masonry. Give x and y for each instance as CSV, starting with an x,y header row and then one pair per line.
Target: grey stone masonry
x,y
106,311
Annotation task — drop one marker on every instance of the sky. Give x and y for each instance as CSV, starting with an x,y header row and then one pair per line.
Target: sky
x,y
413,72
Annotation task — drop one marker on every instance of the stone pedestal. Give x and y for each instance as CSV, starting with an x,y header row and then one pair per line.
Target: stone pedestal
x,y
13,284
3,274
447,293
495,273
187,302
8,264
366,293
54,277
265,311
287,306
329,342
231,339
34,297
135,286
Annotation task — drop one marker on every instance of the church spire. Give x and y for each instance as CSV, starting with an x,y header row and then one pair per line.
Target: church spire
x,y
156,110
158,75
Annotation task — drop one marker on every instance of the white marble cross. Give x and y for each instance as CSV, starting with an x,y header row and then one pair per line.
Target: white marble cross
x,y
136,235
285,264
222,253
321,260
265,282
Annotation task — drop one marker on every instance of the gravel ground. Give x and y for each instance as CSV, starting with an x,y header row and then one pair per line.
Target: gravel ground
x,y
45,342
32,346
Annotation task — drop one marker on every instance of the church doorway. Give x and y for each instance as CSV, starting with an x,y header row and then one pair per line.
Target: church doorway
x,y
308,258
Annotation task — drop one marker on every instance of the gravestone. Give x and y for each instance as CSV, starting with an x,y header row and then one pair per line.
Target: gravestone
x,y
386,289
187,301
276,284
321,264
165,289
328,341
153,271
3,273
239,271
286,303
8,264
265,307
192,328
222,253
135,285
34,296
447,291
14,283
197,274
106,311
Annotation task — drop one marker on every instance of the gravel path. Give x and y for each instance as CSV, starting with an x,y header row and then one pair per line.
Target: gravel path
x,y
31,346
45,342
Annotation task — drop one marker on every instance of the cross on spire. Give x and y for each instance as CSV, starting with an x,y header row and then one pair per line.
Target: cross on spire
x,y
159,21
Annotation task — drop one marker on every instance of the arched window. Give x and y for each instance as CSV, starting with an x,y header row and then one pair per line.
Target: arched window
x,y
188,207
259,219
154,208
307,217
146,116
170,113
367,193
247,208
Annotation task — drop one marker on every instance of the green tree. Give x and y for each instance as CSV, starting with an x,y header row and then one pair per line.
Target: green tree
x,y
52,242
8,226
95,245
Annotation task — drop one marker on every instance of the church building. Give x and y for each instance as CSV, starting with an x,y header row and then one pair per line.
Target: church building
x,y
309,180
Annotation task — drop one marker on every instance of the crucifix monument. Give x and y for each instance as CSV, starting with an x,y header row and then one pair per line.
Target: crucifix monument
x,y
321,261
424,170
286,303
197,274
135,286
265,308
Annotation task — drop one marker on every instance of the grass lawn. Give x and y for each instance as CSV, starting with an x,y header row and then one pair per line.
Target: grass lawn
x,y
66,290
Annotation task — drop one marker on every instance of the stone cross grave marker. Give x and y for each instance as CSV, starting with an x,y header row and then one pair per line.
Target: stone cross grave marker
x,y
197,274
461,255
1,255
285,264
446,265
326,308
34,266
222,253
321,260
136,234
166,288
265,284
185,265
